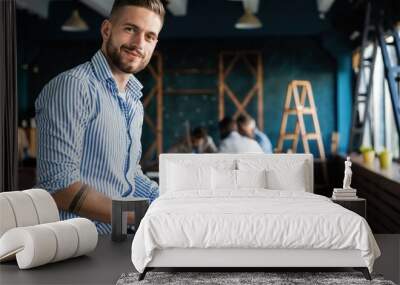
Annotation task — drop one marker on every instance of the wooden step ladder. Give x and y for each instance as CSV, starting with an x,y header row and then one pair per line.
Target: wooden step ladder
x,y
300,92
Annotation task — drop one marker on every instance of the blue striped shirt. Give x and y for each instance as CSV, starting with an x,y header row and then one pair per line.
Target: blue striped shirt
x,y
88,133
263,141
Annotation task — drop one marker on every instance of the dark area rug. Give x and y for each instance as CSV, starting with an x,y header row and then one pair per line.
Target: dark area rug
x,y
273,278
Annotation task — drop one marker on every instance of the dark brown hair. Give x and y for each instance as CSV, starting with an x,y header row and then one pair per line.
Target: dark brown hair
x,y
199,132
243,120
226,126
157,6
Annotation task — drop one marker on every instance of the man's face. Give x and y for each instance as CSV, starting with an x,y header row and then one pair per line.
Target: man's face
x,y
129,38
247,130
196,142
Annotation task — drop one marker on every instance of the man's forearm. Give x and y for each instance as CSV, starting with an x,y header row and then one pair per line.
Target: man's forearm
x,y
85,201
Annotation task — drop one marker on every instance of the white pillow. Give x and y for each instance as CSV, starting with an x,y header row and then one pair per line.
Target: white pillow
x,y
223,179
183,178
282,173
282,180
251,178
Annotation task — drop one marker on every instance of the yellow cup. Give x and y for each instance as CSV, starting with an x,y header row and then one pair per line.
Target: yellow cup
x,y
369,157
385,159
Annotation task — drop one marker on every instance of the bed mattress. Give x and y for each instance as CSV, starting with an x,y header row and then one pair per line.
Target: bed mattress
x,y
250,219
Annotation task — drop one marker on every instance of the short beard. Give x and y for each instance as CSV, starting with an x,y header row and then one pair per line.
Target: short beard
x,y
114,55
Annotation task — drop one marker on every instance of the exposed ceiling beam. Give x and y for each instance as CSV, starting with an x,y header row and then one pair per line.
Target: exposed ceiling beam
x,y
251,5
324,6
103,7
38,7
178,7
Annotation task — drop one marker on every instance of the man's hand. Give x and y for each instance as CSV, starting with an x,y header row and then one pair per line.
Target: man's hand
x,y
85,201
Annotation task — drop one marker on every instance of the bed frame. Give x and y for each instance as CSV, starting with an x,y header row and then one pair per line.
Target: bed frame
x,y
246,259
242,259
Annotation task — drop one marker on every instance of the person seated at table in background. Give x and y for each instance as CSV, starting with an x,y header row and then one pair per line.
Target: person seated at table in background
x,y
232,141
197,142
247,127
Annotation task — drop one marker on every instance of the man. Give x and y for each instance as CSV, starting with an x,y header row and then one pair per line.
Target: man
x,y
198,142
247,127
90,119
232,141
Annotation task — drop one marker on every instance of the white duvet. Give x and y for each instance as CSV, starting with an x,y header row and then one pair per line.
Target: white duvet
x,y
250,219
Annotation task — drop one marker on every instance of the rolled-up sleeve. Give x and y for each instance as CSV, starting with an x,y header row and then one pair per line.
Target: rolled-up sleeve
x,y
144,187
62,114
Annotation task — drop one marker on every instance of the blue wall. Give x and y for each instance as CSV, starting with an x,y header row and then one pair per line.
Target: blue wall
x,y
338,47
285,59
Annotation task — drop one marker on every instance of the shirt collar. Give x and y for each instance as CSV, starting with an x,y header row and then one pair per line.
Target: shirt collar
x,y
103,73
234,134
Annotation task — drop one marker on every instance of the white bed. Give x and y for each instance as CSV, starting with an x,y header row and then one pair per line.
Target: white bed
x,y
224,210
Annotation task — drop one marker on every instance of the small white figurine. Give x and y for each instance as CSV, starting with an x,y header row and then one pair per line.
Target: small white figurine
x,y
347,174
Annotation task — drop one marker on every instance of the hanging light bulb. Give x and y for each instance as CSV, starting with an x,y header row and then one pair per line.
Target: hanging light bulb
x,y
75,23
